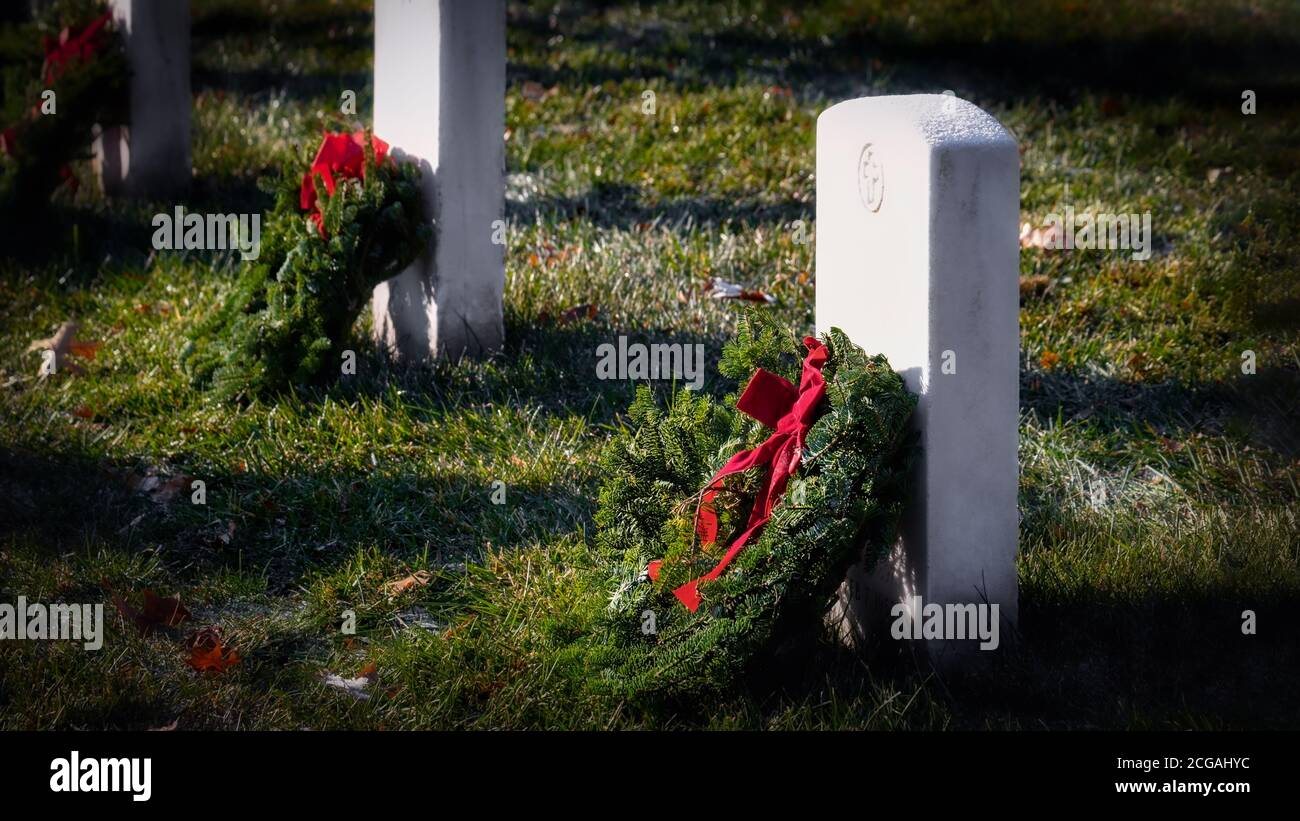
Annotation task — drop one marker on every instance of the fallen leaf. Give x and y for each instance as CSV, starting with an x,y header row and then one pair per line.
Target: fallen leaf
x,y
163,610
160,489
355,687
578,312
1138,364
158,611
1212,175
83,412
59,343
396,587
209,654
1031,237
1049,360
536,92
730,290
1034,285
85,350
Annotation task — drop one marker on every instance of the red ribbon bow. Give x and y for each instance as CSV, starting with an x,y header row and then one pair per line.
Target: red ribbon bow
x,y
79,46
341,154
790,412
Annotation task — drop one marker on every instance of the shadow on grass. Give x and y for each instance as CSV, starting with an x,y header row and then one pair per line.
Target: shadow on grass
x,y
548,365
284,526
1257,407
1186,55
627,207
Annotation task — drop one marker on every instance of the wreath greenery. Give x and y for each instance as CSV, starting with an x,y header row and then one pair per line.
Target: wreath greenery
x,y
292,308
843,504
66,51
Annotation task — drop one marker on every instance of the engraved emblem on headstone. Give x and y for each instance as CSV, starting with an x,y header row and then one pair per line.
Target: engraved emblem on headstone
x,y
871,179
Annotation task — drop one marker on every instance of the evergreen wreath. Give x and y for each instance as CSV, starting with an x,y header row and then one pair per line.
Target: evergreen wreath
x,y
85,66
843,504
321,256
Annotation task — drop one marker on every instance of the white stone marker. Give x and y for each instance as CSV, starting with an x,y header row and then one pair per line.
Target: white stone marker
x,y
440,86
917,211
151,157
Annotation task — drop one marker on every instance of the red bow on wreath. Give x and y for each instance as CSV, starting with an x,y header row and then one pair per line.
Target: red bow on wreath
x,y
789,411
80,46
341,154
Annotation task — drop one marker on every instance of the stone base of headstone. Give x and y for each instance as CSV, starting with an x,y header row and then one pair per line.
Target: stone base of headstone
x,y
917,258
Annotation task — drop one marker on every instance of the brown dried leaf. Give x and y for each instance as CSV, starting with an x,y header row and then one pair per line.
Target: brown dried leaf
x,y
396,587
1034,285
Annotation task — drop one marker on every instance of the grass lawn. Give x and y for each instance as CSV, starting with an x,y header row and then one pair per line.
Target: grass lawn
x,y
1159,489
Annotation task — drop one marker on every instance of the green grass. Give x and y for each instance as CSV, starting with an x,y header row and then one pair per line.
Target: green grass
x,y
1159,485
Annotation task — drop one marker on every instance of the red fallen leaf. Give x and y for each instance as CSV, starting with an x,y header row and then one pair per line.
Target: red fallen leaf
x,y
85,350
163,610
208,654
1111,107
83,412
578,312
369,671
158,610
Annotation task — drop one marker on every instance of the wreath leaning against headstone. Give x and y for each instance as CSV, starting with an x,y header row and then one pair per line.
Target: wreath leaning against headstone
x,y
355,218
730,529
54,91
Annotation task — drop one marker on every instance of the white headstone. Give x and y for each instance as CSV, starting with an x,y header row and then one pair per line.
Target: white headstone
x,y
917,211
152,155
440,84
